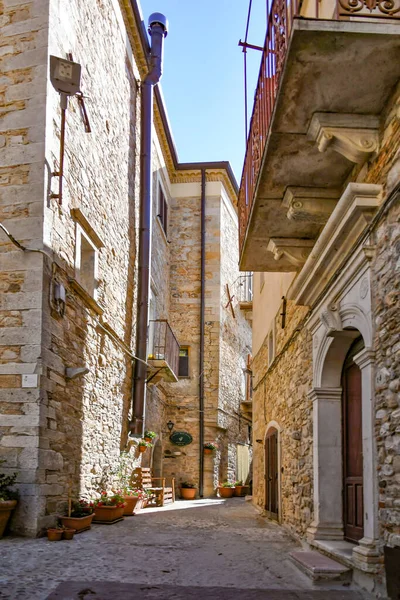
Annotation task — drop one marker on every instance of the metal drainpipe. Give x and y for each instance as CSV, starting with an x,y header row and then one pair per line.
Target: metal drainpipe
x,y
158,26
202,323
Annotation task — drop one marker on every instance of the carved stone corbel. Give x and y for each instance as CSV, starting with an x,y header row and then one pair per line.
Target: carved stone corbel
x,y
294,249
354,136
311,205
331,320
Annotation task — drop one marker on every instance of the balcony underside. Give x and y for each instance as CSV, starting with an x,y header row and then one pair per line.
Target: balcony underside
x,y
159,369
337,67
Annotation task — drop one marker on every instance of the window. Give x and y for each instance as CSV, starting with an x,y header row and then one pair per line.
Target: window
x,y
162,209
86,262
271,347
183,370
249,379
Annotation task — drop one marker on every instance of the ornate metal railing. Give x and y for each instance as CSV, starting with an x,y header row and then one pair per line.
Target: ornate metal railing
x,y
281,15
163,344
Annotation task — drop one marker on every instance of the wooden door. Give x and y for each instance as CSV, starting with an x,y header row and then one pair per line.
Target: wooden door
x,y
271,473
353,506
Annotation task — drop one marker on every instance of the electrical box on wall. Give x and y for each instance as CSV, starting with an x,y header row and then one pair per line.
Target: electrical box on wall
x,y
65,75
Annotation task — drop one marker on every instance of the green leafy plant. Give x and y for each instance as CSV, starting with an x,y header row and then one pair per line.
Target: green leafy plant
x,y
150,434
6,482
227,484
144,443
106,499
238,483
188,485
210,446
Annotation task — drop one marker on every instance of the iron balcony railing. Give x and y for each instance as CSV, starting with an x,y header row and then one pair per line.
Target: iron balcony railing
x,y
279,25
163,344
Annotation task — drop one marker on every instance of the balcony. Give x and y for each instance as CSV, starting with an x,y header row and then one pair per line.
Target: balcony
x,y
244,291
163,354
328,69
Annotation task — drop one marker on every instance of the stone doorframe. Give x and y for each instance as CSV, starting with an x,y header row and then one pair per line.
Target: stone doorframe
x,y
275,425
338,326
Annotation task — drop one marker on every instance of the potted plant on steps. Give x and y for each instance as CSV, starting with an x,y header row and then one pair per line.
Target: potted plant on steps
x,y
226,489
143,445
8,499
149,436
188,490
240,489
79,516
109,508
131,498
209,447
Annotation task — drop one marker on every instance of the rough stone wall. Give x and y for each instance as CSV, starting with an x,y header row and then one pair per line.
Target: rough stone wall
x,y
235,346
280,395
386,303
23,71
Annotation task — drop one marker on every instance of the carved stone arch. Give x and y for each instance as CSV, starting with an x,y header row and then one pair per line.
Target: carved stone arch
x,y
354,317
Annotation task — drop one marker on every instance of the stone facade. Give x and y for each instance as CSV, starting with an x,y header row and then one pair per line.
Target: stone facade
x,y
67,313
297,377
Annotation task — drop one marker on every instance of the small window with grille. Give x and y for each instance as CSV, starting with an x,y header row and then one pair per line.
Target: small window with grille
x,y
162,213
183,362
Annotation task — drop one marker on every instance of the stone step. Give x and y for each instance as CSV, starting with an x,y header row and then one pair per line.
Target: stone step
x,y
319,567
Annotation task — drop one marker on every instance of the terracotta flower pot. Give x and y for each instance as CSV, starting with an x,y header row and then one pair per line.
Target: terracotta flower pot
x,y
54,535
108,513
6,508
130,504
147,439
142,448
68,534
208,451
188,493
240,490
226,492
77,523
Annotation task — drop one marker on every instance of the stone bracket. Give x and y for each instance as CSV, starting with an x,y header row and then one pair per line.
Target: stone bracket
x,y
331,320
310,205
354,136
294,249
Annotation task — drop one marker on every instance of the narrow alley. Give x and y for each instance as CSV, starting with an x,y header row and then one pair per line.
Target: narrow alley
x,y
203,549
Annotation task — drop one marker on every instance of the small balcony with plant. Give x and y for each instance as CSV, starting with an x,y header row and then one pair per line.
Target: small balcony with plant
x,y
163,352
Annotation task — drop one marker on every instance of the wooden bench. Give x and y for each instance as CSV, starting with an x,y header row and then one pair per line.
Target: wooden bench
x,y
142,479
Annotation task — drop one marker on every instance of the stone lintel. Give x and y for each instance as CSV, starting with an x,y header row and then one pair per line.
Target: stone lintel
x,y
294,249
354,136
306,204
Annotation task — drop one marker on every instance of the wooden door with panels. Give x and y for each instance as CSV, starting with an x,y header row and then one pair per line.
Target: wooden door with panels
x,y
271,473
353,489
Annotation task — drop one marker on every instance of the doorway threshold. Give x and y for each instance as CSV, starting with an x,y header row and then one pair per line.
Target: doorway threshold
x,y
339,550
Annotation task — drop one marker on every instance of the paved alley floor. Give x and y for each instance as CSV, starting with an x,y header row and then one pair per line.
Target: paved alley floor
x,y
200,550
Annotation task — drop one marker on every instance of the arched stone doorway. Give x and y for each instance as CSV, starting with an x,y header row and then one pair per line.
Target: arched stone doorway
x,y
332,343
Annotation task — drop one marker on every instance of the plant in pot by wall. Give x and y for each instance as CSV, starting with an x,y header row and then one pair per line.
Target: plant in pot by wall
x,y
226,489
8,498
149,436
143,445
109,508
209,447
54,534
240,489
133,499
79,515
188,490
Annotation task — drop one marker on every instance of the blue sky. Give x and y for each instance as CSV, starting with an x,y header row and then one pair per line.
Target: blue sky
x,y
203,74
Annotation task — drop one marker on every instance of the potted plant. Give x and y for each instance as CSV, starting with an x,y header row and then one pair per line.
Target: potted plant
x,y
149,436
80,515
240,489
143,445
68,534
188,490
209,448
226,489
8,499
54,534
109,507
131,498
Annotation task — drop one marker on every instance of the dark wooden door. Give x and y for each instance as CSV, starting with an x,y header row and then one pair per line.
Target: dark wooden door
x,y
353,506
271,473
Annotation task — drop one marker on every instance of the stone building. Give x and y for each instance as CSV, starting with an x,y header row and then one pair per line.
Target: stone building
x,y
69,266
319,223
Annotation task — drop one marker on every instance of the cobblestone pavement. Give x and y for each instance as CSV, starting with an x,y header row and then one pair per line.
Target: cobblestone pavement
x,y
183,550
